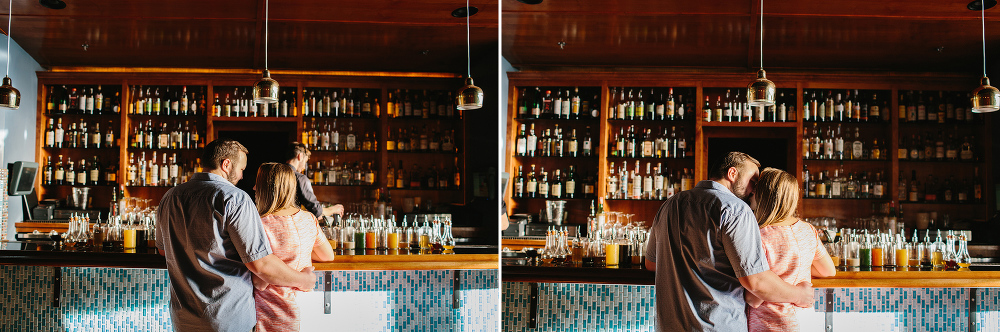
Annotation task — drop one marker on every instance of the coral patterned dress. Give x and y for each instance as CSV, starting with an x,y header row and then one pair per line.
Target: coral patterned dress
x,y
791,250
292,240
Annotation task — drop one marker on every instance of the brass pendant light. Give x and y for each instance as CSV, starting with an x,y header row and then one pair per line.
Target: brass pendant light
x,y
760,93
470,96
265,91
9,96
985,98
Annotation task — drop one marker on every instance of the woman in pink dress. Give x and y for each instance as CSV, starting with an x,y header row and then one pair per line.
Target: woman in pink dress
x,y
295,238
793,248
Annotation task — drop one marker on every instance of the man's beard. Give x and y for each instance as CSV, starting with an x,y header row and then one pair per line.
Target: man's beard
x,y
232,178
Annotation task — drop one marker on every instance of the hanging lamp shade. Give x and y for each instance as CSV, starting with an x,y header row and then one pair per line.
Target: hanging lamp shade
x,y
265,91
761,92
469,97
985,98
10,97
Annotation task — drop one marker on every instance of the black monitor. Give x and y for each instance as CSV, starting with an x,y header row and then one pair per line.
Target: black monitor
x,y
22,177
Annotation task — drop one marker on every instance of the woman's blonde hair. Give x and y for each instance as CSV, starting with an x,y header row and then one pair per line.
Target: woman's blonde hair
x,y
777,194
276,186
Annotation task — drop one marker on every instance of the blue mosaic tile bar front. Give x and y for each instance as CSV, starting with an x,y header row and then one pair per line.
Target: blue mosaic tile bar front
x,y
630,308
115,299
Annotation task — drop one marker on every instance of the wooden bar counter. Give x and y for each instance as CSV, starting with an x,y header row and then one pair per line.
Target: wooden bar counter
x,y
463,259
843,279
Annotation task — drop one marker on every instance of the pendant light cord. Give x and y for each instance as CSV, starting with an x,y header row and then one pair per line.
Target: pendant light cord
x,y
982,18
267,9
761,34
10,9
468,42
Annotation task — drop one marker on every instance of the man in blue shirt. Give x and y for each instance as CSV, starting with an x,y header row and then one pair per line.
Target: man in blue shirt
x,y
706,250
213,240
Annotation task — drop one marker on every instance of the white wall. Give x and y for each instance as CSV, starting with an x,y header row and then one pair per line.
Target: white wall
x,y
17,127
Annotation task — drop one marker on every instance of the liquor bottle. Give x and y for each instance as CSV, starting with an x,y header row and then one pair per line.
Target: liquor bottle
x,y
838,143
543,184
647,183
707,111
840,108
573,144
82,172
94,173
556,186
574,104
557,109
921,108
570,182
965,154
587,144
914,195
636,182
532,188
522,105
857,148
531,141
828,152
915,148
938,250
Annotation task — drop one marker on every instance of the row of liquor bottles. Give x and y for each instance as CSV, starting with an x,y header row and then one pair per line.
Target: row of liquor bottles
x,y
862,185
654,106
241,104
553,143
169,172
78,173
149,100
946,107
656,183
327,136
168,135
844,106
564,104
421,104
736,109
836,144
887,250
436,177
937,147
343,174
333,172
952,190
81,100
79,135
559,185
341,103
671,144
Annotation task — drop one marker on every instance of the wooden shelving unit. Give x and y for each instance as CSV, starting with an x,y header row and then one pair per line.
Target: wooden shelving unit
x,y
705,82
208,82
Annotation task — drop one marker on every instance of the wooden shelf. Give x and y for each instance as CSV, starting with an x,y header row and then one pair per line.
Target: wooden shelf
x,y
253,119
751,124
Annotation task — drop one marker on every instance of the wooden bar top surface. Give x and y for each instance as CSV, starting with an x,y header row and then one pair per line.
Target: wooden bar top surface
x,y
469,259
843,279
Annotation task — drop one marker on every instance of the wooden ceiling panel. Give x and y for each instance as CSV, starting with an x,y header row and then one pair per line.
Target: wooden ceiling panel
x,y
175,9
625,40
374,35
138,43
426,12
647,7
374,46
842,35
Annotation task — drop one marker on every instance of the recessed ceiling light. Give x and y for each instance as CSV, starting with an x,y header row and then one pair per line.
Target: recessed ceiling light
x,y
460,12
530,2
52,4
977,4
